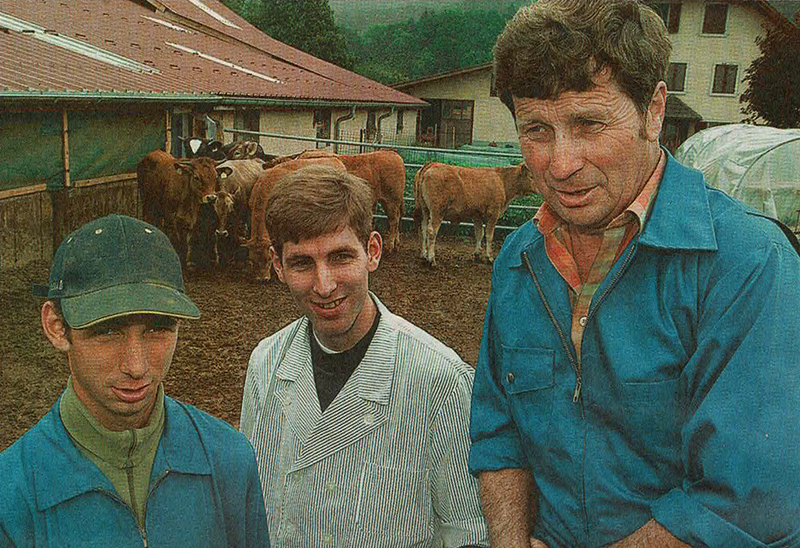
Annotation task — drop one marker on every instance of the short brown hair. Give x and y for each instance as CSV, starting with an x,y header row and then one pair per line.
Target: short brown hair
x,y
553,46
318,200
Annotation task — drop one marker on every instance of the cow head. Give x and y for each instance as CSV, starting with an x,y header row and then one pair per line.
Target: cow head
x,y
223,207
200,175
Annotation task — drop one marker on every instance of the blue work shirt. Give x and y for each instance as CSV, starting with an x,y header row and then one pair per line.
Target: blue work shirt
x,y
204,490
689,404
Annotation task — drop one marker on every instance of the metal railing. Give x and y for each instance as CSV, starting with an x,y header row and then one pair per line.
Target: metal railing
x,y
429,151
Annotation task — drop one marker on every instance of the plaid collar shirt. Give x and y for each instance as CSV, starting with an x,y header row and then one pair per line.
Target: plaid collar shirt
x,y
611,242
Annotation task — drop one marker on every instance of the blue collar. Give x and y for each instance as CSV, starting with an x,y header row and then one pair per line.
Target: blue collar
x,y
180,450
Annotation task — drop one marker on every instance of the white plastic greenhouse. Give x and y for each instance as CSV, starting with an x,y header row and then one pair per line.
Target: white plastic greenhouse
x,y
757,165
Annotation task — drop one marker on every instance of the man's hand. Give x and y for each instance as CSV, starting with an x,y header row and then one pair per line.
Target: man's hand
x,y
509,504
536,543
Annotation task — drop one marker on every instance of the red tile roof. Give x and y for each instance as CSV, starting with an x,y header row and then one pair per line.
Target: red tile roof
x,y
177,48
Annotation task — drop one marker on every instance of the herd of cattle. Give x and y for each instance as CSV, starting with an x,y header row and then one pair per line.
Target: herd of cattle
x,y
212,203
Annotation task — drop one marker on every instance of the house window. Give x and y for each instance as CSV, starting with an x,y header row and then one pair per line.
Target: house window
x,y
676,77
671,14
457,110
399,129
247,120
322,123
372,126
492,86
715,19
725,79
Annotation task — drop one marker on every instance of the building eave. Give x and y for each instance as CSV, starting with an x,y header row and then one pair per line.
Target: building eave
x,y
14,97
442,75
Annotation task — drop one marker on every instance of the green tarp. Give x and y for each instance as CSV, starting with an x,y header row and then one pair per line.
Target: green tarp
x,y
101,143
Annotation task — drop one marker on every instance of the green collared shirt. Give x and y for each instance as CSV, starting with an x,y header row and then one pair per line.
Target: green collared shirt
x,y
125,458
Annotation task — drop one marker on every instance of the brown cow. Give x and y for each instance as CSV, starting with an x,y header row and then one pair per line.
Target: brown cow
x,y
207,242
385,172
459,193
238,178
259,242
172,192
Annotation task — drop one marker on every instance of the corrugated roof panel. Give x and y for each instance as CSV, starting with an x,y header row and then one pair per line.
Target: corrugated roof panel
x,y
72,44
179,56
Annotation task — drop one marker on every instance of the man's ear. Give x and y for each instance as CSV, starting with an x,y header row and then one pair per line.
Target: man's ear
x,y
374,250
656,111
55,329
276,263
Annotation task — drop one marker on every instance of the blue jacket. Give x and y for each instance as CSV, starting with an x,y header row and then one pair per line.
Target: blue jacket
x,y
204,490
689,404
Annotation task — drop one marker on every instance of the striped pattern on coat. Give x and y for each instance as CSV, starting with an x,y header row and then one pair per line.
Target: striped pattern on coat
x,y
385,464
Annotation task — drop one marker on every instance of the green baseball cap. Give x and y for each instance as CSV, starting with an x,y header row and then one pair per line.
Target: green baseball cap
x,y
115,266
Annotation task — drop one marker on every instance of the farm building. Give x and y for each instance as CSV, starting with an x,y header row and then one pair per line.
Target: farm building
x,y
713,45
89,87
464,109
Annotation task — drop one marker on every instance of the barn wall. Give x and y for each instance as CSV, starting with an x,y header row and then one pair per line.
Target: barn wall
x,y
105,143
287,122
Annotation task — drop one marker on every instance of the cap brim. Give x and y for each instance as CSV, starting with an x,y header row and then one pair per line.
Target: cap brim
x,y
122,300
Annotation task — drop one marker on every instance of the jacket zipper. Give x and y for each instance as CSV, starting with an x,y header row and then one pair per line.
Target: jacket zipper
x,y
613,282
575,366
116,497
132,489
566,347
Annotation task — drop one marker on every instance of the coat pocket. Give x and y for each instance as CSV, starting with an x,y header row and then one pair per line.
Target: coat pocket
x,y
528,378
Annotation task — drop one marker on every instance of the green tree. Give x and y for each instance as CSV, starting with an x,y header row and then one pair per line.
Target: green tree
x,y
307,25
773,80
436,41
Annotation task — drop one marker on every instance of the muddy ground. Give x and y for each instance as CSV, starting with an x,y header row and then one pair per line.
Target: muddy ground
x,y
211,359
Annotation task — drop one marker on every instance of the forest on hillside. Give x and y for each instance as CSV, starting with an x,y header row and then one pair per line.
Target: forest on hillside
x,y
454,36
387,41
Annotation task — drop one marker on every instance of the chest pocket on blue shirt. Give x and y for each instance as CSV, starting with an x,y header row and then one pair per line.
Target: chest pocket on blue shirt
x,y
528,378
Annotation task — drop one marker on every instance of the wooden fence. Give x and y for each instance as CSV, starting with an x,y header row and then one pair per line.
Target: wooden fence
x,y
33,220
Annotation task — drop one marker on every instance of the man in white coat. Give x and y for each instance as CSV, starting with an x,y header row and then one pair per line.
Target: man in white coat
x,y
359,419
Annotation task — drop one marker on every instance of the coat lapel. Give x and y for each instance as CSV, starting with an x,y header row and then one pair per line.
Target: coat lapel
x,y
361,407
295,389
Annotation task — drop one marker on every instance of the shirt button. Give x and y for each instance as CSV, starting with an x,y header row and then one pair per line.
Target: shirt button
x,y
327,538
369,419
583,321
330,486
510,377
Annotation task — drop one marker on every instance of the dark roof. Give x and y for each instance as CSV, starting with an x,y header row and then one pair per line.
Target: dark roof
x,y
409,83
676,108
163,48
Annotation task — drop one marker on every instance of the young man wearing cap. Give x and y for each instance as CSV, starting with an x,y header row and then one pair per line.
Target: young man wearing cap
x,y
116,462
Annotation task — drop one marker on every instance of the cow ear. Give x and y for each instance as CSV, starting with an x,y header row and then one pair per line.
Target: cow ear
x,y
224,172
183,168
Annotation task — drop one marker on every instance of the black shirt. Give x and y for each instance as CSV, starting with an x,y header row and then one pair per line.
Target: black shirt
x,y
331,371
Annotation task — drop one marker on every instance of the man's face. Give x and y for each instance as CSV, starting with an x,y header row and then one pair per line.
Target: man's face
x,y
593,149
118,364
328,277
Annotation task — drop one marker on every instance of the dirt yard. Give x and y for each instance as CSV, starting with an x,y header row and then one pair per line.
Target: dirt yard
x,y
211,359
